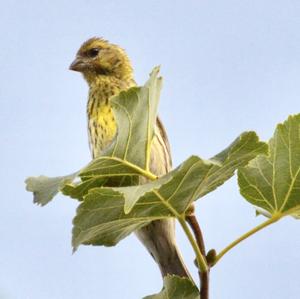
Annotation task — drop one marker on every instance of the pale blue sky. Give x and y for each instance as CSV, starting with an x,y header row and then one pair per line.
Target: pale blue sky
x,y
229,66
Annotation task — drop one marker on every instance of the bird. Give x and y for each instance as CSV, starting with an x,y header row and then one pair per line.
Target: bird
x,y
108,71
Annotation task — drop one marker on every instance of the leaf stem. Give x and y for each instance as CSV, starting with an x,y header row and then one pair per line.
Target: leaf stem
x,y
201,261
148,175
251,232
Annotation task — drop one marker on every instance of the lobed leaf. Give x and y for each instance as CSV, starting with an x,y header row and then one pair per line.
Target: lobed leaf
x,y
45,188
272,183
201,176
100,222
135,111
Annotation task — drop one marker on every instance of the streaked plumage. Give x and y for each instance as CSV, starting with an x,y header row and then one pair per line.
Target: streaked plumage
x,y
107,70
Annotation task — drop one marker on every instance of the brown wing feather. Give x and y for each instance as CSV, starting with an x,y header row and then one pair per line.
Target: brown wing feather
x,y
164,136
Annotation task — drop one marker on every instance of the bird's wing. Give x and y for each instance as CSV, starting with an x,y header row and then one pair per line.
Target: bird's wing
x,y
165,140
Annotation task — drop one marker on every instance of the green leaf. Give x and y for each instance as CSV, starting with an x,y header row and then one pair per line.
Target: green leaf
x,y
102,219
245,148
128,156
105,171
135,111
272,183
133,193
201,176
80,189
45,188
177,288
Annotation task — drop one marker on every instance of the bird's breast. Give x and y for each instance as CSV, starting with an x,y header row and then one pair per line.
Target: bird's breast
x,y
102,126
101,122
102,129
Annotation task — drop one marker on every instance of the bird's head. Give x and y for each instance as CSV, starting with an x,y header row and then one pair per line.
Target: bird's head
x,y
97,57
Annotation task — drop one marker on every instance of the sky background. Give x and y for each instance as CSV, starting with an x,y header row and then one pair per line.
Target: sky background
x,y
228,66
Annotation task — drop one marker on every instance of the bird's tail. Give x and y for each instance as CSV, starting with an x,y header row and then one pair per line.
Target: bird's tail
x,y
159,239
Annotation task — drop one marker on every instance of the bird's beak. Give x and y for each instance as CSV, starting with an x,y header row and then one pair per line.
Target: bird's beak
x,y
78,65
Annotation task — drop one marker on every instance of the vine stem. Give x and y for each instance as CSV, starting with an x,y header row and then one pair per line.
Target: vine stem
x,y
251,232
204,289
204,276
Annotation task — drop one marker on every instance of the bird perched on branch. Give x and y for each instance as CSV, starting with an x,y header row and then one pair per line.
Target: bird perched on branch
x,y
107,70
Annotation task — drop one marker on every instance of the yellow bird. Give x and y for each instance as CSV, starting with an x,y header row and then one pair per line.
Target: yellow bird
x,y
107,70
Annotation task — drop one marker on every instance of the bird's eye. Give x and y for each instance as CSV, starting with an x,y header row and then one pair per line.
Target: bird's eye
x,y
93,52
